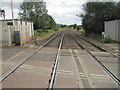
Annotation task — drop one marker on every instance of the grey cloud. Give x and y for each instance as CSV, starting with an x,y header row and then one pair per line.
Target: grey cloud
x,y
69,18
64,12
16,5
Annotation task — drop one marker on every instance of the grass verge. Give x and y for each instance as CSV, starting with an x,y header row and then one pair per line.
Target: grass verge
x,y
41,34
100,38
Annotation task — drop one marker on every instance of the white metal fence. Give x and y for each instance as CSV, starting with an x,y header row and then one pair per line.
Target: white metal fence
x,y
5,34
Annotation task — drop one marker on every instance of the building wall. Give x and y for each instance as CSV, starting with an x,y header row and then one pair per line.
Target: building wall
x,y
112,30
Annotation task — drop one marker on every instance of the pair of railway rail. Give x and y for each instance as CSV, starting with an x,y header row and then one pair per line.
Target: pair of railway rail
x,y
24,60
98,47
53,74
112,75
57,59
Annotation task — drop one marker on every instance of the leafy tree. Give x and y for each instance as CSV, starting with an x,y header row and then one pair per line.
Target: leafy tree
x,y
74,26
46,22
118,10
52,24
96,13
37,12
63,26
79,27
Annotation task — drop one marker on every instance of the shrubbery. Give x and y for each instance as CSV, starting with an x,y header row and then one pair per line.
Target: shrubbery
x,y
106,40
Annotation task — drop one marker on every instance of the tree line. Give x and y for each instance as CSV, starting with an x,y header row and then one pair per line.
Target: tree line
x,y
72,26
96,13
37,13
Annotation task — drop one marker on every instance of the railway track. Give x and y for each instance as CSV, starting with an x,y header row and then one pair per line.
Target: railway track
x,y
80,70
56,73
55,66
98,47
111,74
61,62
24,60
90,82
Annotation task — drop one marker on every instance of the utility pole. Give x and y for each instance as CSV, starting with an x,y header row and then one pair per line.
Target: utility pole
x,y
12,14
13,20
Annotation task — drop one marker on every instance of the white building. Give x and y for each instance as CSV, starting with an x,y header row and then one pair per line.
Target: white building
x,y
21,33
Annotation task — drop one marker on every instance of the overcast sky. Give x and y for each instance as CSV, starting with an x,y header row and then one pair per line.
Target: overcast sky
x,y
63,11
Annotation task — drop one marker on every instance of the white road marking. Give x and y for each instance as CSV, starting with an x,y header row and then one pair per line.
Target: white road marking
x,y
78,79
87,74
97,75
38,69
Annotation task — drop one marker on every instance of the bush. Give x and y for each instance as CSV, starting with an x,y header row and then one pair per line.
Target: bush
x,y
43,32
106,39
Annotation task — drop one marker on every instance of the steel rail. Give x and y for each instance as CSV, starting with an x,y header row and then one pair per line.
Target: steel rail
x,y
114,77
55,66
102,49
24,60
